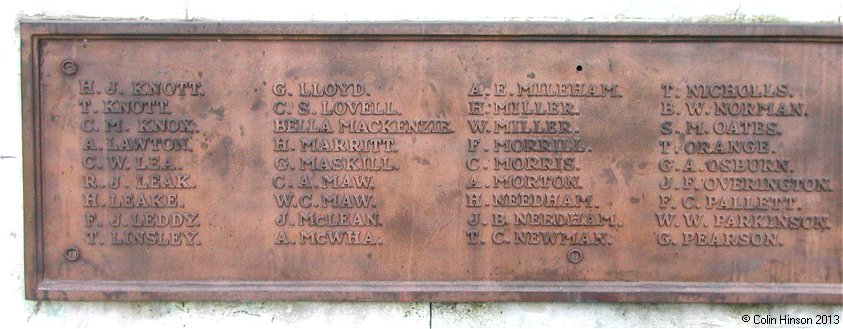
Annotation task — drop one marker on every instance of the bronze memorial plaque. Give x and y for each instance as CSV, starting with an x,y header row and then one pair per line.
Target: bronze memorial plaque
x,y
433,162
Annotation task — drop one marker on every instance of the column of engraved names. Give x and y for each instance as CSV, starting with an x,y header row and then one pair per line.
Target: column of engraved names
x,y
134,183
526,152
334,144
728,178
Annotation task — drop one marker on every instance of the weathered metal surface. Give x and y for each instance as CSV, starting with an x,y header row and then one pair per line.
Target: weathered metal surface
x,y
456,162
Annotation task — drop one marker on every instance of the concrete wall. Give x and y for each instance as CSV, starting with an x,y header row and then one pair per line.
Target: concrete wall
x,y
17,311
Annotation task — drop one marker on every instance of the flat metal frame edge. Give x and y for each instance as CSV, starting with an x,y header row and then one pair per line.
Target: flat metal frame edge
x,y
37,288
444,291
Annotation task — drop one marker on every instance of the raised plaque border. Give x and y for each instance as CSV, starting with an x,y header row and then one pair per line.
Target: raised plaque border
x,y
37,287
